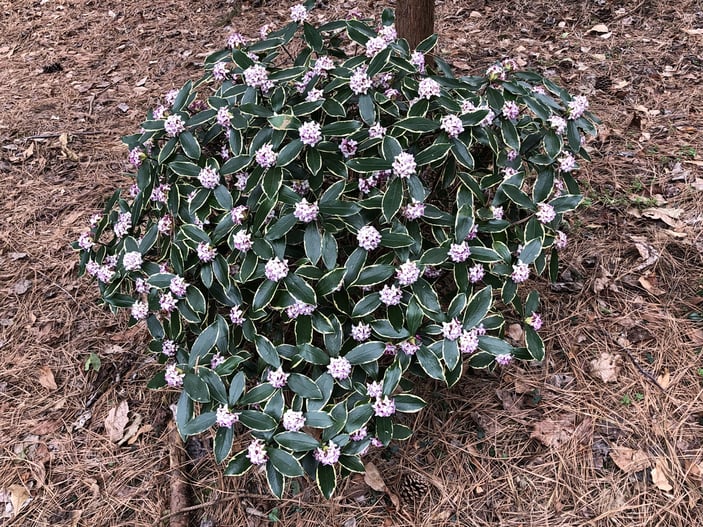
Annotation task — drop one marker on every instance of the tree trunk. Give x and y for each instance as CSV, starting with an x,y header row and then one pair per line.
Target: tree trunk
x,y
414,20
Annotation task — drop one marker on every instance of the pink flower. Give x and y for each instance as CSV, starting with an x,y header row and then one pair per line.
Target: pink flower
x,y
174,125
306,212
359,435
404,165
236,316
278,378
339,368
298,13
209,177
510,110
299,309
168,348
577,106
451,330
216,360
368,237
224,418
384,407
567,163
414,210
276,269
174,377
476,273
178,286
375,45
167,303
452,125
409,347
374,389
417,59
315,95
361,332
327,455
459,252
359,82
391,296
293,421
376,131
504,359
310,133
521,272
468,341
256,76
256,452
140,310
561,241
557,123
429,88
388,33
265,156
206,252
348,147
408,273
545,213
535,320
242,241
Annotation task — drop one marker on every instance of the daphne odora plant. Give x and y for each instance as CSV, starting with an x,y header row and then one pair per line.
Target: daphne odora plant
x,y
308,236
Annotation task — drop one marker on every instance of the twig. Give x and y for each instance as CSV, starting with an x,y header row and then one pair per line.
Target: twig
x,y
224,499
644,372
51,135
179,486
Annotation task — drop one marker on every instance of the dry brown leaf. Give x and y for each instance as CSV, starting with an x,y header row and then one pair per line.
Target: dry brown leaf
x,y
116,421
19,497
668,215
21,287
599,28
373,479
629,460
659,476
664,379
649,282
557,432
694,471
515,332
132,430
46,378
70,154
606,367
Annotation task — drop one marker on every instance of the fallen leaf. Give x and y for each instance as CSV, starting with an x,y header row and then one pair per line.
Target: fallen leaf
x,y
116,421
70,154
668,215
123,107
17,256
664,379
132,430
373,479
693,32
649,282
606,367
142,430
21,287
694,471
556,432
629,460
515,332
19,497
599,28
659,478
46,378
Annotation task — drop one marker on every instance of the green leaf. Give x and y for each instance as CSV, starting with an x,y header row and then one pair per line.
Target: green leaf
x,y
478,307
367,109
406,403
450,353
196,388
374,274
258,394
284,462
417,124
384,329
304,386
190,145
223,443
313,160
275,480
462,154
273,179
312,242
236,388
432,153
384,429
296,441
430,363
428,44
358,417
326,479
426,296
284,122
300,289
317,419
354,264
494,345
341,128
366,352
281,227
184,168
238,465
510,135
205,342
289,152
379,61
199,424
517,196
368,164
566,203
392,199
257,421
264,294
267,351
366,305
312,36
531,251
535,345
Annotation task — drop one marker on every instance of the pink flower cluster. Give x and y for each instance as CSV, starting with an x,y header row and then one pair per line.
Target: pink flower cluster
x,y
360,81
278,378
310,133
452,125
209,177
236,316
339,368
265,156
298,13
577,106
459,252
173,376
306,212
132,261
468,341
414,210
545,212
225,418
328,454
206,252
429,88
256,452
452,330
384,407
407,273
404,165
368,237
276,269
174,125
361,332
241,241
299,309
178,286
521,272
390,296
348,147
293,421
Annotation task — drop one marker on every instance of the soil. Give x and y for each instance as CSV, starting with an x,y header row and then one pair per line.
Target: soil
x,y
607,431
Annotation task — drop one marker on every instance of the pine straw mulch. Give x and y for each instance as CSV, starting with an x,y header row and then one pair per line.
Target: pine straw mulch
x,y
533,445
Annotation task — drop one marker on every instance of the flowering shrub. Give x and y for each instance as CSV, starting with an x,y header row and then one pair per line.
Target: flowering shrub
x,y
308,236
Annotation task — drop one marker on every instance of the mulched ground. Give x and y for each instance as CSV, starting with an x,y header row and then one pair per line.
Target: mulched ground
x,y
607,431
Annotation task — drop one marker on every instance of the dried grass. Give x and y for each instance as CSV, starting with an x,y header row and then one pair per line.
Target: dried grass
x,y
477,444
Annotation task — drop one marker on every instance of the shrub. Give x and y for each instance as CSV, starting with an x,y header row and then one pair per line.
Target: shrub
x,y
307,237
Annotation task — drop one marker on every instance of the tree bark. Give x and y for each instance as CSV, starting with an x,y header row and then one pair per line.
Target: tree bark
x,y
414,20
